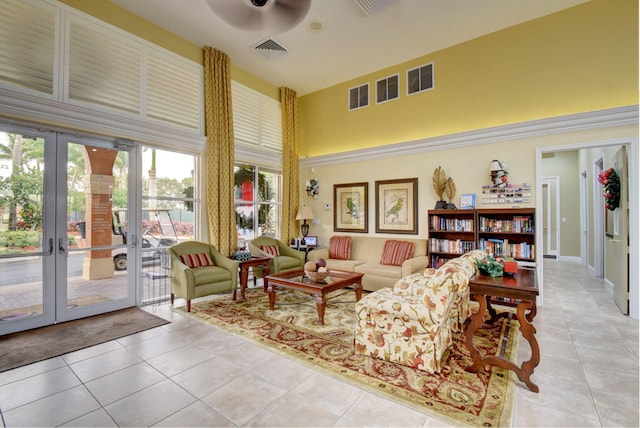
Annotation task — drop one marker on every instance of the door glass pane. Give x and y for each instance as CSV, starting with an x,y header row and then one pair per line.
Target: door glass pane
x,y
21,230
96,217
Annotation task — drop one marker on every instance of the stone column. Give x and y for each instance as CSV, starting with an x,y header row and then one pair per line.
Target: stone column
x,y
98,189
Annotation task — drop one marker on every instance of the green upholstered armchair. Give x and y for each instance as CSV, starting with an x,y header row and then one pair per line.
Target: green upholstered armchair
x,y
289,259
212,275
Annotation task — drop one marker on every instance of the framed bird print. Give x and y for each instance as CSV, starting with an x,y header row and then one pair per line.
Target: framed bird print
x,y
397,206
350,206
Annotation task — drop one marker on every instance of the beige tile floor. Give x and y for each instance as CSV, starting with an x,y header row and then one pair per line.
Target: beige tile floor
x,y
187,373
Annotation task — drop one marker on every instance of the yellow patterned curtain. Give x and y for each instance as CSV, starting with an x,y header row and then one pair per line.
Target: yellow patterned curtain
x,y
220,150
290,185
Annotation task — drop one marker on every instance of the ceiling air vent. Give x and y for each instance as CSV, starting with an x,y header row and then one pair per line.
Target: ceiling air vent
x,y
271,49
371,6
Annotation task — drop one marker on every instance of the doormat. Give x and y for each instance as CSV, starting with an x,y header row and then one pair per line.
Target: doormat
x,y
26,347
454,396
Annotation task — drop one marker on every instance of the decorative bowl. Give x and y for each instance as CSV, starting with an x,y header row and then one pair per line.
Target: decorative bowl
x,y
317,276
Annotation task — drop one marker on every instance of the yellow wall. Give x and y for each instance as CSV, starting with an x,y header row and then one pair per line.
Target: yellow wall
x,y
582,59
468,166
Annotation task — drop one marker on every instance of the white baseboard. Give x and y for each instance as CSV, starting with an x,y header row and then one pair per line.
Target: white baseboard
x,y
574,259
608,285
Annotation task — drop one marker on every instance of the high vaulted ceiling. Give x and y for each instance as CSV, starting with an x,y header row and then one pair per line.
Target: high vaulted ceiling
x,y
337,40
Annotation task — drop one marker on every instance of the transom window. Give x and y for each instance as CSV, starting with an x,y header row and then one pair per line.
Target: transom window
x,y
420,79
387,89
359,97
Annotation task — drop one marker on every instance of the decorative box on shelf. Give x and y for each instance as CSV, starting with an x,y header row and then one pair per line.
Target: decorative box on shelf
x,y
241,255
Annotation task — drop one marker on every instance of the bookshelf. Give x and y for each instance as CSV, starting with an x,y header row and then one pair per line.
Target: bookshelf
x,y
506,232
451,234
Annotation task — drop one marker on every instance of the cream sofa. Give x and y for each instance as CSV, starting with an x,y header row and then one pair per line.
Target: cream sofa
x,y
366,253
412,324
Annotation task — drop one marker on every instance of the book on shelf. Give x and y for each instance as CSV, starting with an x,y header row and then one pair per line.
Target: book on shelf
x,y
502,248
450,246
439,223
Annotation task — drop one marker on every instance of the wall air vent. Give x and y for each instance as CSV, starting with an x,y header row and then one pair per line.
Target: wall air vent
x,y
271,49
372,6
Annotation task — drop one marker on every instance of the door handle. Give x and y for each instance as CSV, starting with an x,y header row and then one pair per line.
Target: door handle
x,y
43,253
614,240
61,249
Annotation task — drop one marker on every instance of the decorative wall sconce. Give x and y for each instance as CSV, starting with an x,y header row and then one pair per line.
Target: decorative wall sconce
x,y
312,187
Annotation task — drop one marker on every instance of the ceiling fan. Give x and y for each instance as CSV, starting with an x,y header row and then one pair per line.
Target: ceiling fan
x,y
276,16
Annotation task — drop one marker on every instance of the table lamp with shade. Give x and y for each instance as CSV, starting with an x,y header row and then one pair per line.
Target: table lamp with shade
x,y
304,214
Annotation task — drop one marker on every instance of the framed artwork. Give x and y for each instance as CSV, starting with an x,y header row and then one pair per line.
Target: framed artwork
x,y
350,202
467,201
397,206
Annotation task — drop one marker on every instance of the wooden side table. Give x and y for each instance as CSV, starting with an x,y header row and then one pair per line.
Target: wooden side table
x,y
522,287
244,272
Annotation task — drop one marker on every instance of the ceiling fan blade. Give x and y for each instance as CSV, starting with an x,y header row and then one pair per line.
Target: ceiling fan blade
x,y
276,16
289,13
237,13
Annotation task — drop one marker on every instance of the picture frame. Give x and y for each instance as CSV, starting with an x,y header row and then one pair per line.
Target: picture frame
x,y
311,241
350,207
467,201
397,206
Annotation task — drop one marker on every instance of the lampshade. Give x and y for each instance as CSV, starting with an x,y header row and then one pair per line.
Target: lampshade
x,y
305,213
495,165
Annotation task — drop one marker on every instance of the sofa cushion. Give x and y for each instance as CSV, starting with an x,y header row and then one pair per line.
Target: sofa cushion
x,y
272,250
340,247
196,260
210,274
344,265
396,252
376,269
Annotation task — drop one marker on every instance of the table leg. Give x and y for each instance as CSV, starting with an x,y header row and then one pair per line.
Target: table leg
x,y
528,332
321,304
357,287
272,294
244,277
524,371
475,322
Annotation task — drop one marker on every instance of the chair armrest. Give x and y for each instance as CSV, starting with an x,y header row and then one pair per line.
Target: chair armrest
x,y
181,271
415,264
320,253
229,264
287,251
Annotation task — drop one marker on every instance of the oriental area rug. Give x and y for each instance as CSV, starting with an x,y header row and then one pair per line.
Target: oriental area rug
x,y
292,329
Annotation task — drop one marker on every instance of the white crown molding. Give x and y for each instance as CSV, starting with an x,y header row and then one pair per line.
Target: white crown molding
x,y
66,117
620,116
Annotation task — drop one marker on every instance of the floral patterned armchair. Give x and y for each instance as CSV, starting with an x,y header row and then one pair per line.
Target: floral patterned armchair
x,y
412,324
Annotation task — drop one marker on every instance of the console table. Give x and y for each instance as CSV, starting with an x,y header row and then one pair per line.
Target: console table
x,y
523,288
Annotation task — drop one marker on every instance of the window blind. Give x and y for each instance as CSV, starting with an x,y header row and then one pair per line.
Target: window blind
x,y
257,119
104,68
27,45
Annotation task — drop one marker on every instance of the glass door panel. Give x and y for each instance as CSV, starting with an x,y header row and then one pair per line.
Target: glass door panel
x,y
98,244
25,248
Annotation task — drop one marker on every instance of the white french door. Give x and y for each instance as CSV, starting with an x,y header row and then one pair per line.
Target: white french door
x,y
57,195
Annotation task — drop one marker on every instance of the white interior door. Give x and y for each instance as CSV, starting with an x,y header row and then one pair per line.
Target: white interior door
x,y
618,245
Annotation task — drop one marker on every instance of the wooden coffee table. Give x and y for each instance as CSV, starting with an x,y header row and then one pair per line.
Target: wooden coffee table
x,y
296,280
523,288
